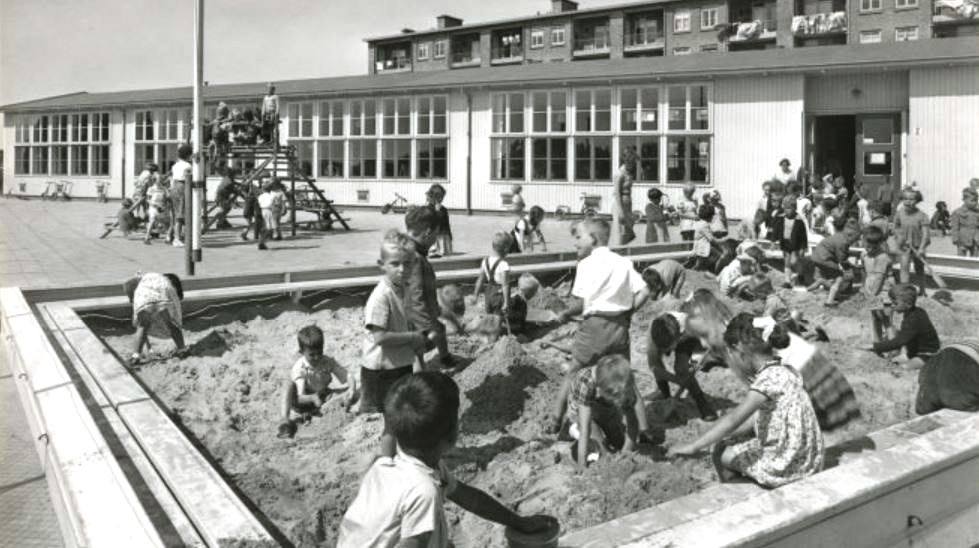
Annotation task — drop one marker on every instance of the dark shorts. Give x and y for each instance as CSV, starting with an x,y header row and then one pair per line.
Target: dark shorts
x,y
827,270
177,197
375,384
599,336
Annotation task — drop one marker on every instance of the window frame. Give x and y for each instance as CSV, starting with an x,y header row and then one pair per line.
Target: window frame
x,y
549,159
438,49
682,15
593,159
559,31
431,160
422,51
905,4
640,108
869,33
536,39
298,119
867,6
712,13
906,30
593,110
327,118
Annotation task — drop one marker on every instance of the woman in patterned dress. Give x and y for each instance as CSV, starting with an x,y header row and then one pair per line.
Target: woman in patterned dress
x,y
784,442
156,310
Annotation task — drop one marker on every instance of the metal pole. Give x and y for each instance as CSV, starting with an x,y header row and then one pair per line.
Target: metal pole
x,y
198,135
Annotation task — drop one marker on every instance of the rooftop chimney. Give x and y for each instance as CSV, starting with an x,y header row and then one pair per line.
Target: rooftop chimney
x,y
447,21
407,31
561,6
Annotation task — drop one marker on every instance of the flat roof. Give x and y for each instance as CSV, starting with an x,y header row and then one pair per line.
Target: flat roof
x,y
523,19
850,57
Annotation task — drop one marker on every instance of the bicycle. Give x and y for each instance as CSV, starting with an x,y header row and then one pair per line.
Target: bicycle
x,y
590,204
399,205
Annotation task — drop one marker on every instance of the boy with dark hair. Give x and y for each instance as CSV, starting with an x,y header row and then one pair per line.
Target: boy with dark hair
x,y
664,278
964,225
421,295
941,220
830,259
401,499
608,291
181,174
656,217
309,381
667,336
917,334
912,235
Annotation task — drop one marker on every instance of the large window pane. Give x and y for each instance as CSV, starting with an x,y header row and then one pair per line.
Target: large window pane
x,y
304,157
59,128
22,160
516,112
142,155
593,159
356,118
499,113
363,158
388,118
41,129
648,159
431,158
603,110
79,160
396,158
539,105
878,131
508,158
649,117
424,115
559,113
331,158
404,117
699,118
100,159
699,158
59,160
549,159
168,156
306,129
336,118
582,108
678,107
79,128
40,160
100,132
676,161
629,110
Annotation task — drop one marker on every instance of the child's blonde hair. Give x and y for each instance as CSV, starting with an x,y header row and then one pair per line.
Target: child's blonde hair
x,y
614,381
598,229
502,242
394,241
528,285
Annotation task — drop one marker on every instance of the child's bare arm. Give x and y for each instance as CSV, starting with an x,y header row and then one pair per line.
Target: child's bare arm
x,y
506,291
415,339
303,398
584,434
639,298
724,427
479,503
479,285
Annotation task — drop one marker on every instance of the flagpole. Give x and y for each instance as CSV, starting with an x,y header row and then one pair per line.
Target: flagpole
x,y
197,200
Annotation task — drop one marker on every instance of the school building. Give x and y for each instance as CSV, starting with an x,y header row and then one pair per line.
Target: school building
x,y
710,92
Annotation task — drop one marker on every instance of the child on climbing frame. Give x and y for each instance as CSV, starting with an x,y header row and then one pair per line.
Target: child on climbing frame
x,y
784,442
602,410
311,382
664,278
391,345
156,309
400,502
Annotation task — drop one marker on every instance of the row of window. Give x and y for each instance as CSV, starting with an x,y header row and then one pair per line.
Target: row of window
x,y
420,158
878,5
638,109
89,160
162,125
901,34
361,117
88,127
589,159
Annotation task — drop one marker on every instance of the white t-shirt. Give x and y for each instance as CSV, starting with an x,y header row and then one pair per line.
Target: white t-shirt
x,y
319,376
606,282
686,207
729,275
501,272
385,310
178,169
266,200
399,498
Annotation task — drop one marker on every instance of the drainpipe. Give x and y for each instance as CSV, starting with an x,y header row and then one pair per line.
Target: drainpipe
x,y
123,197
469,153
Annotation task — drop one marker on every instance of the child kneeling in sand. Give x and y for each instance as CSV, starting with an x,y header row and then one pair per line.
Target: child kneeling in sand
x,y
401,499
664,278
601,410
310,381
391,346
156,308
784,442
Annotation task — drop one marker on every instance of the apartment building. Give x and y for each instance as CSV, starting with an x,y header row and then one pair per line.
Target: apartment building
x,y
709,92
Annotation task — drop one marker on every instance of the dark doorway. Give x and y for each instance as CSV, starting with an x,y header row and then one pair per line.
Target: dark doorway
x,y
835,147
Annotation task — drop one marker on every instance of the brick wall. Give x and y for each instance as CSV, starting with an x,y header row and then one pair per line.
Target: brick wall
x,y
431,63
888,18
697,36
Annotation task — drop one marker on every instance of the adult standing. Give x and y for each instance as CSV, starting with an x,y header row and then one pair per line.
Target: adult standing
x,y
622,210
180,175
785,175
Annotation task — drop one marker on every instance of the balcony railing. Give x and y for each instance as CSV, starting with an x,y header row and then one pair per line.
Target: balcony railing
x,y
644,37
395,63
955,11
464,58
819,24
759,29
592,44
506,53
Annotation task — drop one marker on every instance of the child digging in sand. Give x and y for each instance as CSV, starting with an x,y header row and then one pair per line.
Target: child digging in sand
x,y
309,382
401,499
917,334
664,278
601,410
784,442
391,346
608,291
156,309
421,296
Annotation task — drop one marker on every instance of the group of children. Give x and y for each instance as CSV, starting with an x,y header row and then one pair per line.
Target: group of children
x,y
158,201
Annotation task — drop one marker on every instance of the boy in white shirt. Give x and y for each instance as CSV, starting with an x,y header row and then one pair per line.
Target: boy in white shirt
x,y
266,201
608,291
311,382
735,278
390,346
401,499
181,175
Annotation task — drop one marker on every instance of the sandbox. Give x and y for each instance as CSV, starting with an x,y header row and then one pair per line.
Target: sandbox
x,y
225,398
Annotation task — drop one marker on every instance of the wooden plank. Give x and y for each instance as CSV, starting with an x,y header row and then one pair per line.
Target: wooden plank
x,y
188,534
215,510
63,316
108,511
81,370
114,380
12,302
41,365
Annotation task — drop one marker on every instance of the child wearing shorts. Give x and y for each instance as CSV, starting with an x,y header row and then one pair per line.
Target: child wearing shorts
x,y
390,346
917,334
311,382
964,225
494,276
266,202
912,236
156,310
401,499
608,291
657,216
421,296
830,259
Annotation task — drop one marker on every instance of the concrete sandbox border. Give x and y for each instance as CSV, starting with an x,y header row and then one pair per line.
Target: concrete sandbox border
x,y
121,472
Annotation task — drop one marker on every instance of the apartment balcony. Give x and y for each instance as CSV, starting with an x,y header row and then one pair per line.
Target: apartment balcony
x,y
643,40
463,59
591,46
820,24
395,64
752,31
955,12
503,55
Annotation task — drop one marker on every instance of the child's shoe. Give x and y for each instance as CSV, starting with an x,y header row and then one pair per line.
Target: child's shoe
x,y
287,430
178,243
244,235
262,247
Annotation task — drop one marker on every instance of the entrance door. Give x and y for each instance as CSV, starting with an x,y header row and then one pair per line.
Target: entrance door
x,y
878,152
830,146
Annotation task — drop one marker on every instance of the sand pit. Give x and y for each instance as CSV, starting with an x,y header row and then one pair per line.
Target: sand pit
x,y
227,395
